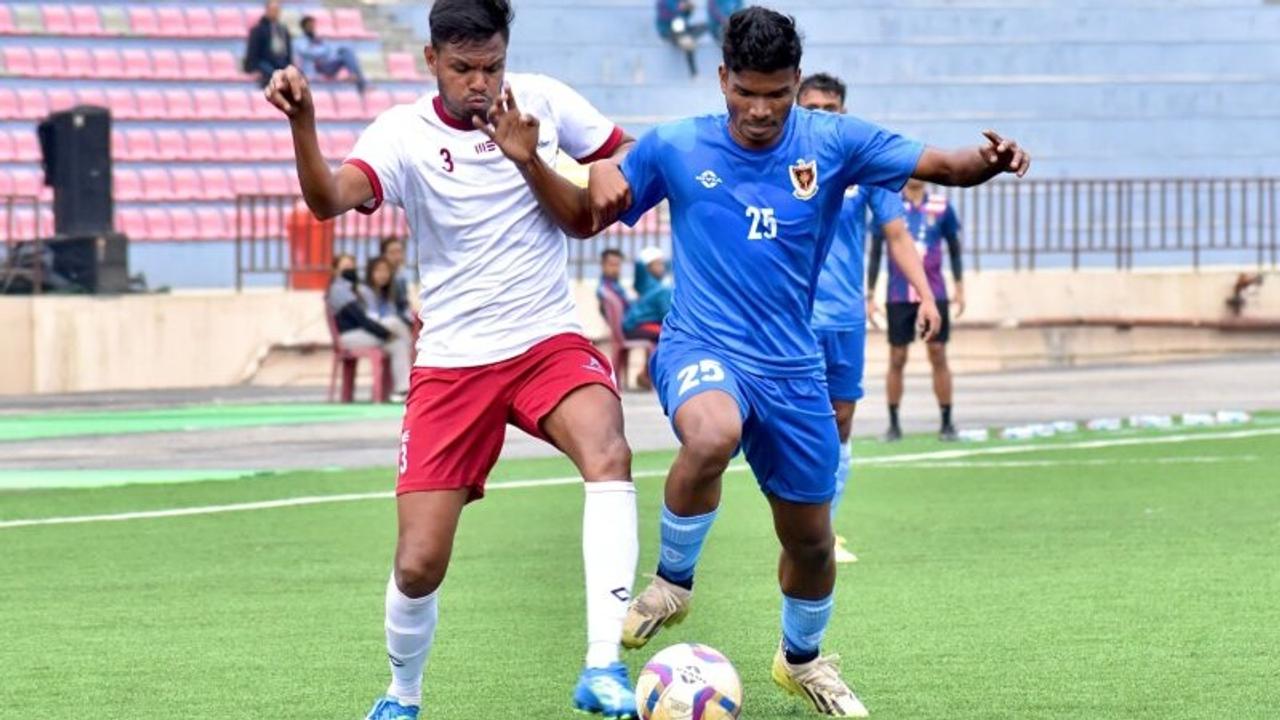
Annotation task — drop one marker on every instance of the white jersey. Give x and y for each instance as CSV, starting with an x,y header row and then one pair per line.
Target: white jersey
x,y
493,265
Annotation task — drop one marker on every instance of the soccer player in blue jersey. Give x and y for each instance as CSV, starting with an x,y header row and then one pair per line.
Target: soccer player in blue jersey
x,y
755,196
932,223
839,308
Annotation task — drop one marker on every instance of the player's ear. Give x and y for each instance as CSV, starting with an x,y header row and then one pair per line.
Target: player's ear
x,y
429,53
724,79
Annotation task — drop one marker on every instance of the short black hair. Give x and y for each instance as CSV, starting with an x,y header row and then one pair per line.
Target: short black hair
x,y
470,21
611,252
761,40
386,243
826,83
306,19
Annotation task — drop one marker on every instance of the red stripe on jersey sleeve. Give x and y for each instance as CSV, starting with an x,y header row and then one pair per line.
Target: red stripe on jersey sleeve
x,y
369,172
606,150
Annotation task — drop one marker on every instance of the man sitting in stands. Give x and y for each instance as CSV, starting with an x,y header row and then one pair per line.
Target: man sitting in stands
x,y
320,57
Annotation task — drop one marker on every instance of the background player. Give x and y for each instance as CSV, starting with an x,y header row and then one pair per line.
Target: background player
x,y
754,197
839,309
931,222
501,338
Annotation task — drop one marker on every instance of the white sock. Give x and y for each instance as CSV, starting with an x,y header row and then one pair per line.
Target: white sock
x,y
411,626
610,550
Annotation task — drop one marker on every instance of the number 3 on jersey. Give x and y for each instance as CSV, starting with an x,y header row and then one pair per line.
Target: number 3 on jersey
x,y
764,224
698,373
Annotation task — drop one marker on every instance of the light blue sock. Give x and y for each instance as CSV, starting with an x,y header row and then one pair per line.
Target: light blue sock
x,y
842,477
682,539
804,622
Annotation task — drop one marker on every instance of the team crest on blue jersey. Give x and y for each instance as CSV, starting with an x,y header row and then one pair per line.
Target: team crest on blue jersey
x,y
804,177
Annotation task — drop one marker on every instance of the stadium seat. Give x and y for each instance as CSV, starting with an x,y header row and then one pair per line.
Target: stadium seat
x,y
258,144
324,22
235,104
349,22
26,182
122,103
223,65
18,61
406,97
212,223
171,21
178,105
9,108
230,22
150,104
199,22
60,99
32,104
6,21
402,66
230,144
26,19
282,144
143,21
165,64
349,105
195,64
48,62
137,63
86,21
114,21
339,143
274,181
7,151
26,145
57,19
141,145
376,102
261,109
131,222
244,180
126,184
107,62
200,144
208,103
158,225
374,65
119,145
323,100
215,184
92,96
171,144
78,64
183,224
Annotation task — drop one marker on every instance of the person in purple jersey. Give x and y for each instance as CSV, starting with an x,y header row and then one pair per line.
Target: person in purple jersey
x,y
933,223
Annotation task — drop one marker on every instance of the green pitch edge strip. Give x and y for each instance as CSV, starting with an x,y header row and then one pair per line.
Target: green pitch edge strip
x,y
183,419
47,479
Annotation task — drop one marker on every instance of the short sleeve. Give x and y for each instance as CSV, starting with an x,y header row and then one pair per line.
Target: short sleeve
x,y
378,155
643,170
885,206
875,156
584,132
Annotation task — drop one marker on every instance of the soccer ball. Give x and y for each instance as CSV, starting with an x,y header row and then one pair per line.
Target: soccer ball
x,y
689,682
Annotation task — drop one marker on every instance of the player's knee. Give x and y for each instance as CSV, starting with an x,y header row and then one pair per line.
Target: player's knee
x,y
814,551
712,445
938,356
608,460
418,571
898,360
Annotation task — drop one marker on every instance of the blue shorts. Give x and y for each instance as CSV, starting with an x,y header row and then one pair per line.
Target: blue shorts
x,y
845,352
788,428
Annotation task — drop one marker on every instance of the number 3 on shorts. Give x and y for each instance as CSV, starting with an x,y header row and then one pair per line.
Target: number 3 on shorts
x,y
694,375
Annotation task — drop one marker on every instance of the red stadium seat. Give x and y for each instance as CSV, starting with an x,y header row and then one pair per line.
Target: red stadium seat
x,y
200,144
32,104
132,223
57,20
142,20
274,181
7,151
137,63
48,62
230,22
92,96
215,184
165,65
235,104
27,182
350,106
127,184
119,146
85,20
258,144
142,145
324,22
212,223
171,144
108,63
18,61
349,22
325,108
171,21
26,145
150,104
184,224
376,102
6,185
261,109
282,144
178,105
158,224
402,66
195,64
231,144
200,22
208,103
340,143
123,105
6,21
223,65
9,109
60,99
244,180
79,64
406,97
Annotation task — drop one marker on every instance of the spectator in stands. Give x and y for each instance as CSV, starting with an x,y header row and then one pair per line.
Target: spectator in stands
x,y
611,279
675,25
354,309
644,317
392,249
270,48
651,269
718,12
320,57
388,305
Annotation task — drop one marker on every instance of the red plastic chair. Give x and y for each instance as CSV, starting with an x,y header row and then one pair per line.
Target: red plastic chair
x,y
57,20
137,63
345,362
48,62
179,105
208,103
156,185
18,61
77,63
223,65
6,21
215,184
165,64
108,63
85,20
195,64
200,22
142,21
32,104
235,104
200,145
402,66
127,184
229,22
186,184
142,145
619,345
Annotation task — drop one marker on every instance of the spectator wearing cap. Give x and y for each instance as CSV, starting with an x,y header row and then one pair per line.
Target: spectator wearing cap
x,y
644,317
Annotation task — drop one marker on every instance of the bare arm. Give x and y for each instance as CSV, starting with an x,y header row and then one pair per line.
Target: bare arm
x,y
972,166
328,193
903,253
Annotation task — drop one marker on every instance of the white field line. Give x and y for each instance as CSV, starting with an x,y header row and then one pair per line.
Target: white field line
x,y
1070,462
518,484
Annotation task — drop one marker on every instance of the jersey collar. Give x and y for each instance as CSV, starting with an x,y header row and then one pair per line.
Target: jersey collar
x,y
438,105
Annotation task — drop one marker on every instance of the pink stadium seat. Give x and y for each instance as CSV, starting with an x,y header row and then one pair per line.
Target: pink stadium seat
x,y
215,184
349,22
150,104
235,104
6,184
142,145
230,144
7,151
108,62
6,21
158,225
200,145
261,109
349,105
143,21
60,99
178,105
79,64
229,22
402,66
325,107
273,181
127,184
123,105
223,65
258,144
8,104
57,19
164,64
376,102
48,62
119,146
26,145
92,96
213,225
137,63
406,97
85,20
282,144
132,223
27,182
195,64
18,61
208,103
200,22
324,22
171,144
245,181
32,104
183,222
171,21
340,143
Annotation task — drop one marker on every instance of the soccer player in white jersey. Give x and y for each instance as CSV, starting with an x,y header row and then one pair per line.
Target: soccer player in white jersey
x,y
501,340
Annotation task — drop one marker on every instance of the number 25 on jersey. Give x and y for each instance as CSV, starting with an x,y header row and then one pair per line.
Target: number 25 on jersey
x,y
764,224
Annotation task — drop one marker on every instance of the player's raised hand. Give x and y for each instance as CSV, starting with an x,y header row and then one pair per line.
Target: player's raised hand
x,y
928,320
1005,154
515,133
289,91
610,193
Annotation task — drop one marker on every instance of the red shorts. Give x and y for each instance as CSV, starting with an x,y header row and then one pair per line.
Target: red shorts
x,y
455,418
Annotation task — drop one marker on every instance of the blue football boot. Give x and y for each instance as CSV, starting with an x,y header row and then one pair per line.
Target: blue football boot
x,y
388,708
606,691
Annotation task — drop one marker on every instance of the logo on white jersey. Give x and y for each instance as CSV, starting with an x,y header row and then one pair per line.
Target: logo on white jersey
x,y
804,178
709,179
487,146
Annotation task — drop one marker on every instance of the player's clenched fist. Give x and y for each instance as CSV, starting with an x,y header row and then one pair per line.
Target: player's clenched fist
x,y
610,192
289,92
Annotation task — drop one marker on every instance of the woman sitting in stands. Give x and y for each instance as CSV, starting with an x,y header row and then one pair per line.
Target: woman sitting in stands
x,y
354,308
390,303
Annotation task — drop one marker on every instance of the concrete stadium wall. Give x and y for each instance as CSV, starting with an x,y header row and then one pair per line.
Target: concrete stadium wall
x,y
73,344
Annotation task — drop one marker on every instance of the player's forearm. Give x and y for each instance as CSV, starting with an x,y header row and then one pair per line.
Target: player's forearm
x,y
567,204
902,251
965,167
319,188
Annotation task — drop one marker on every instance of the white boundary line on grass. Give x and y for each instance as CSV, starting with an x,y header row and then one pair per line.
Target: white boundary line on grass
x,y
548,482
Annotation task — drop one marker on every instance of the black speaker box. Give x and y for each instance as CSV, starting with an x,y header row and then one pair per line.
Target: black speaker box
x,y
76,145
89,263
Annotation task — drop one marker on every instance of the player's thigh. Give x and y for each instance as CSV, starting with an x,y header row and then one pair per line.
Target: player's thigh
x,y
428,523
701,394
791,441
588,427
944,332
452,433
845,354
902,323
844,418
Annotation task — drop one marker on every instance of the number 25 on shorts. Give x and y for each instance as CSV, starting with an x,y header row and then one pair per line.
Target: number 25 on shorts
x,y
694,375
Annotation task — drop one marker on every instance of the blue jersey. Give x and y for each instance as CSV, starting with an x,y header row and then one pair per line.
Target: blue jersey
x,y
839,302
752,227
932,223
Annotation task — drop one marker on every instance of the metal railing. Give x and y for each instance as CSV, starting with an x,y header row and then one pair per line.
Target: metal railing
x,y
22,256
